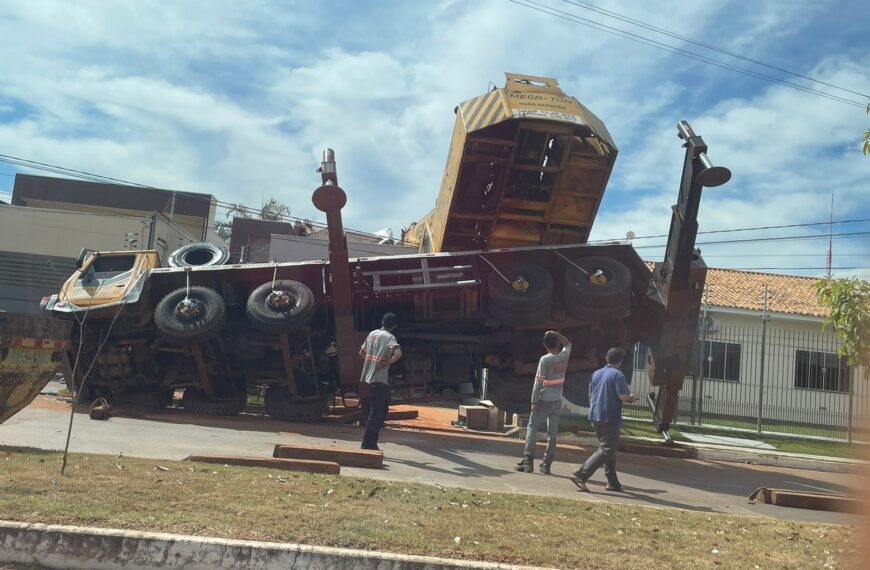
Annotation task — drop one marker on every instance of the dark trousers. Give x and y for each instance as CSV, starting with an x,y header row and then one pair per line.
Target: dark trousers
x,y
608,435
379,405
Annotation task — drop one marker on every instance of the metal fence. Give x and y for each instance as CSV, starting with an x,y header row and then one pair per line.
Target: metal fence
x,y
768,379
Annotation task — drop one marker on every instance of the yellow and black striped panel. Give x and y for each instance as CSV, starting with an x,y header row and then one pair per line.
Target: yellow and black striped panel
x,y
482,111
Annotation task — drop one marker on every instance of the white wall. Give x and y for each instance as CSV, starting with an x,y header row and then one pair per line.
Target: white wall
x,y
781,399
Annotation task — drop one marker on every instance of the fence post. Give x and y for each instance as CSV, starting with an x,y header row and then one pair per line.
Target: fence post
x,y
851,400
699,407
761,372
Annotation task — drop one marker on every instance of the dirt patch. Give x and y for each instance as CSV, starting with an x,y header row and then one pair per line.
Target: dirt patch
x,y
44,402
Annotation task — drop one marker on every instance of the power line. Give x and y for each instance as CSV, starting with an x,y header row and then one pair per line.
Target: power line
x,y
627,19
859,253
756,228
531,4
36,165
791,268
769,239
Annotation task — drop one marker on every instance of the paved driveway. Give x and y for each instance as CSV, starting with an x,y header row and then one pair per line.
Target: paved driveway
x,y
484,463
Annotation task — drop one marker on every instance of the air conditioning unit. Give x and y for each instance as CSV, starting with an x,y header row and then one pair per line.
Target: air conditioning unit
x,y
710,324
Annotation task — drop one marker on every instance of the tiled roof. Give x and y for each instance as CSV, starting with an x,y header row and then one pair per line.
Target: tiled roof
x,y
745,290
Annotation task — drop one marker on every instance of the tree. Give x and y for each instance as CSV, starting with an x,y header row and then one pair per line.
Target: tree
x,y
849,303
271,210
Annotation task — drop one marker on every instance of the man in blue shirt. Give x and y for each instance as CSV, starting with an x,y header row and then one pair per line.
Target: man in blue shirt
x,y
608,389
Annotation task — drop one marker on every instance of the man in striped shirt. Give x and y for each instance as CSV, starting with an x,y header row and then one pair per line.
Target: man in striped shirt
x,y
379,351
547,400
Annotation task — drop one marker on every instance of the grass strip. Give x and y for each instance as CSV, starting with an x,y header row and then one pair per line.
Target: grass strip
x,y
262,504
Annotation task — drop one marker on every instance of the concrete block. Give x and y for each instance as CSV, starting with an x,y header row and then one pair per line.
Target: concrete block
x,y
346,457
304,465
476,417
495,419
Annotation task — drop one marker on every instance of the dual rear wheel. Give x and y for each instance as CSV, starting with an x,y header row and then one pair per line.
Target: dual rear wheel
x,y
196,315
595,289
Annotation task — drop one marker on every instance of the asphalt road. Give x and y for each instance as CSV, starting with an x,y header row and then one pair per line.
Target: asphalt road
x,y
484,463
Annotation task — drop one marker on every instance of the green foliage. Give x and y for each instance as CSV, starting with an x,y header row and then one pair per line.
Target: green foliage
x,y
849,303
271,210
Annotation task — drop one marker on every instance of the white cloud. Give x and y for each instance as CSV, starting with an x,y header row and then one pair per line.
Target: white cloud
x,y
238,100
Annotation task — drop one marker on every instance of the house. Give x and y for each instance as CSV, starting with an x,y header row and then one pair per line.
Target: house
x,y
777,361
50,220
194,212
259,241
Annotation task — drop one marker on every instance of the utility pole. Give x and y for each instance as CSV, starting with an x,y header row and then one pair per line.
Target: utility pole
x,y
831,237
172,207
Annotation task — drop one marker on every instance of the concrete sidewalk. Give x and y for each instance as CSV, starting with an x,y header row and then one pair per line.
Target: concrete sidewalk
x,y
471,462
56,546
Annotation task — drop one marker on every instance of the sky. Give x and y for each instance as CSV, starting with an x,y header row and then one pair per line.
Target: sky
x,y
238,99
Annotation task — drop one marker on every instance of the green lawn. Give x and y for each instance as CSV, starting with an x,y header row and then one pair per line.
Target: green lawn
x,y
263,504
637,428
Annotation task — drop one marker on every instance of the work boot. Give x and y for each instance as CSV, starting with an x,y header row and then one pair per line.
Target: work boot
x,y
545,467
527,465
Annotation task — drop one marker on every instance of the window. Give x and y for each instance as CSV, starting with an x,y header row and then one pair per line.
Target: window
x,y
820,371
721,361
107,267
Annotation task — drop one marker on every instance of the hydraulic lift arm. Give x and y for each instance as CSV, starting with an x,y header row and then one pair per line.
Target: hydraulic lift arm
x,y
677,283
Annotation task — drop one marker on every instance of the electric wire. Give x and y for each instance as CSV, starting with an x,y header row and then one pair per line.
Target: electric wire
x,y
687,39
759,228
180,194
545,9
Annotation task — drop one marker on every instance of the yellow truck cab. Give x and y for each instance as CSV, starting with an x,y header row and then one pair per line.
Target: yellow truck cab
x,y
104,280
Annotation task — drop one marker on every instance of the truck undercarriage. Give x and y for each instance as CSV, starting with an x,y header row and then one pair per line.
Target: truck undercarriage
x,y
294,329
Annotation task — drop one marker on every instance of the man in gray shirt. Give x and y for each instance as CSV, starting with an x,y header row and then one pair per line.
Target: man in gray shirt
x,y
547,400
379,351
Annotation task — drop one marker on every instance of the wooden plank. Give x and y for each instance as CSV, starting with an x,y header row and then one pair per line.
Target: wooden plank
x,y
342,456
524,204
304,465
403,415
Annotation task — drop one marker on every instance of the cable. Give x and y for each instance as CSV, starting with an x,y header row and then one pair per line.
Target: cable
x,y
806,225
622,17
193,196
790,268
757,240
672,49
862,253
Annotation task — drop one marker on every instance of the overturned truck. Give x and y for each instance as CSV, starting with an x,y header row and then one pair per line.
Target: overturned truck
x,y
503,258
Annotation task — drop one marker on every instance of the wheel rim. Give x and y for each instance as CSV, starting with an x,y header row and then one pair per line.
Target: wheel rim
x,y
520,283
280,300
599,277
190,309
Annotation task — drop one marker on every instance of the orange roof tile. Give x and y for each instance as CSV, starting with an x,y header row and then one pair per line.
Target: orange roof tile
x,y
737,289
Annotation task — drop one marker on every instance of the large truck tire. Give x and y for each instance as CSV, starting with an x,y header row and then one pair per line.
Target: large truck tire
x,y
201,319
200,254
517,319
286,307
612,289
197,402
537,295
282,406
585,312
576,389
509,393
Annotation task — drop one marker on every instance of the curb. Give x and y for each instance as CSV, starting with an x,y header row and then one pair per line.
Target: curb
x,y
732,455
57,546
